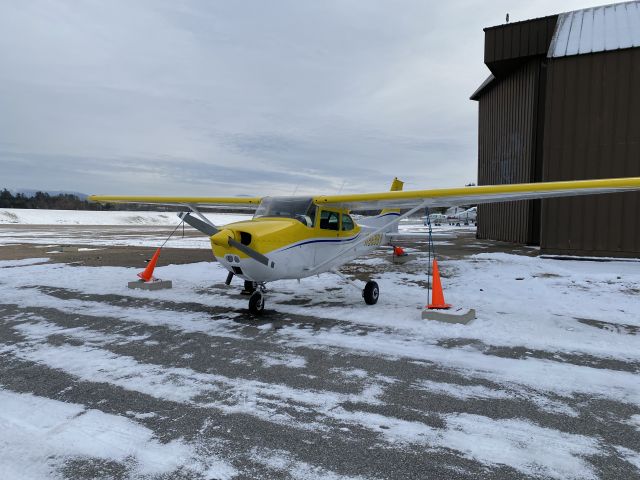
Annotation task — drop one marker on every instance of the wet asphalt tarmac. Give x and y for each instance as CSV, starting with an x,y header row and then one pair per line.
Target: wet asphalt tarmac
x,y
331,446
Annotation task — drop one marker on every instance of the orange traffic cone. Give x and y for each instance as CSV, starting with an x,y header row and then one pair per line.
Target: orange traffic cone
x,y
398,251
147,275
437,295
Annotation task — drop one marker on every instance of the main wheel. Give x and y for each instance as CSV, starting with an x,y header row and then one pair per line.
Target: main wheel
x,y
371,293
256,303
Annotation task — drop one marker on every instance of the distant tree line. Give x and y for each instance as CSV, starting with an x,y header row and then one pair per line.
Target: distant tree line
x,y
68,201
63,201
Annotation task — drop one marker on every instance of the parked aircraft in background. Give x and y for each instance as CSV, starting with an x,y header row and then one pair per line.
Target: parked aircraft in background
x,y
466,216
436,219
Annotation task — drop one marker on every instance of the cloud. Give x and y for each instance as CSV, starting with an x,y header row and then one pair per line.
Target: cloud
x,y
256,97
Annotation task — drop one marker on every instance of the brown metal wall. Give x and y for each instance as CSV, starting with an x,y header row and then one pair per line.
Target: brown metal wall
x,y
508,152
592,130
507,46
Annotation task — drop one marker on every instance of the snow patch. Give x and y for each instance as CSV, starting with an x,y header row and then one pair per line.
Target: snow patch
x,y
283,461
37,435
629,455
522,445
22,263
462,392
288,360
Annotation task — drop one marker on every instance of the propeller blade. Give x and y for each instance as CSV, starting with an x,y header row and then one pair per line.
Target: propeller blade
x,y
210,230
250,252
198,224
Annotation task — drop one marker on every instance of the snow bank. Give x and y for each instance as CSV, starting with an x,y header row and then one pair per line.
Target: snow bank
x,y
82,217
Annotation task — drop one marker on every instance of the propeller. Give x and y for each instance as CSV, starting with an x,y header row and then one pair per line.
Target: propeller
x,y
250,252
206,228
210,230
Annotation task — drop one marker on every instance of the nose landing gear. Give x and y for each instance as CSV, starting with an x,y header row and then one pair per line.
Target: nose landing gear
x,y
256,300
249,288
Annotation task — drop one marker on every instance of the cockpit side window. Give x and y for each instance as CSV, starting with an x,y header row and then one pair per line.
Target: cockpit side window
x,y
347,223
329,220
311,215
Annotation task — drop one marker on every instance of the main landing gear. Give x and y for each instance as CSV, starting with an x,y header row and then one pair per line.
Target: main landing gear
x,y
370,293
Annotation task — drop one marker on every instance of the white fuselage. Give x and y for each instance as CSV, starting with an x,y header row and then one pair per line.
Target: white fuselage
x,y
313,256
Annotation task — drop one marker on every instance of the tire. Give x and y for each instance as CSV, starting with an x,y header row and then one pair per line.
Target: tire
x,y
256,303
249,286
371,293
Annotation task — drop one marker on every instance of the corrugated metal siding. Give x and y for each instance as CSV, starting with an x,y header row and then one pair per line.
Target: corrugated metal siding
x,y
507,152
592,130
598,29
506,46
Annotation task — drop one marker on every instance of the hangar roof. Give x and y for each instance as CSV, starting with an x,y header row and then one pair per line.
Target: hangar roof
x,y
597,29
590,30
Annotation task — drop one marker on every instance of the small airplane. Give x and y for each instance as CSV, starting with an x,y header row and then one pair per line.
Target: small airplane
x,y
465,217
436,219
300,236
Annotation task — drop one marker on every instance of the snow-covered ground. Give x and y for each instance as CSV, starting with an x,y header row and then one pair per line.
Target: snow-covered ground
x,y
543,384
140,229
17,216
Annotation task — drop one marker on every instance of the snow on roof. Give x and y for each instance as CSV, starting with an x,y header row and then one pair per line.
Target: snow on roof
x,y
597,29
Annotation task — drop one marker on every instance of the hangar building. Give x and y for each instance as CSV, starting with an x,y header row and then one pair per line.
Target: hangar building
x,y
563,103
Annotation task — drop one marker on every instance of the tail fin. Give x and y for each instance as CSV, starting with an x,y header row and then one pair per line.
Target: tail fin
x,y
396,186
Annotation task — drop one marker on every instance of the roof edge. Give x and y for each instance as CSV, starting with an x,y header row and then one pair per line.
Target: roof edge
x,y
502,25
489,81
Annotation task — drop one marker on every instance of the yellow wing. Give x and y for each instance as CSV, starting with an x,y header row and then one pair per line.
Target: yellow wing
x,y
227,202
449,197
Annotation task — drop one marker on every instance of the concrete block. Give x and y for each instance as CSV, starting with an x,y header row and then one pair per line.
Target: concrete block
x,y
68,248
402,259
152,285
452,315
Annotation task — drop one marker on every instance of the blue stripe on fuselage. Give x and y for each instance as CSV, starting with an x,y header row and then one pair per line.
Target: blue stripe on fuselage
x,y
322,240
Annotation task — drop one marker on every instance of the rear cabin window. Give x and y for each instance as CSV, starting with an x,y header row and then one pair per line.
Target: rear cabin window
x,y
329,220
347,222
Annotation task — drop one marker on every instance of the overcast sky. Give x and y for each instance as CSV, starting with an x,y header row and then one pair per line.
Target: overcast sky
x,y
244,97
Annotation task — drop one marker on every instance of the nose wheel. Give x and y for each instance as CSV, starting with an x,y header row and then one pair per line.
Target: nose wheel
x,y
256,301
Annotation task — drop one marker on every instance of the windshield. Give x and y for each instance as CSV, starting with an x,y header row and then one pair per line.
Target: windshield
x,y
302,209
